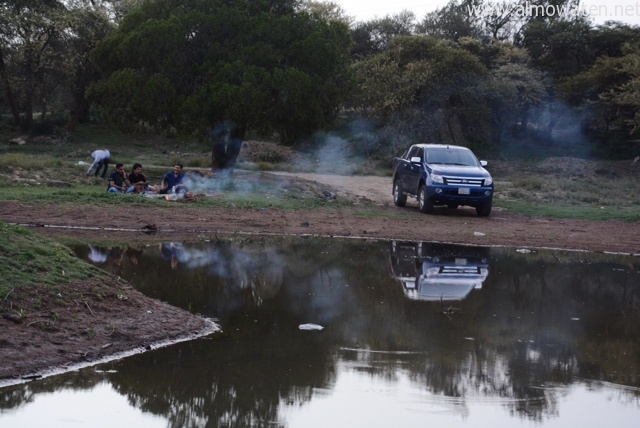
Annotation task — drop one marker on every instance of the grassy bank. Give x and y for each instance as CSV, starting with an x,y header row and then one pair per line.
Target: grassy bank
x,y
36,269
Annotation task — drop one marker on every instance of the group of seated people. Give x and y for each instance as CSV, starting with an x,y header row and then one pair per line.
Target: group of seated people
x,y
172,182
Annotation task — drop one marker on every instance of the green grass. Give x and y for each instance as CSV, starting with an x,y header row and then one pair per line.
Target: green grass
x,y
9,161
240,194
569,188
34,262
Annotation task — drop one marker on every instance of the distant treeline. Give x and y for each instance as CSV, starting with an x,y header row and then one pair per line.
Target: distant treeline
x,y
482,73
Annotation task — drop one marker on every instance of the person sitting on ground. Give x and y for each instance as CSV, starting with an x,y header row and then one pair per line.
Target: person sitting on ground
x,y
174,181
101,158
139,183
118,181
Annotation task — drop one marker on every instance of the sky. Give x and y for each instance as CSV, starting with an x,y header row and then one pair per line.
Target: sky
x,y
364,10
627,11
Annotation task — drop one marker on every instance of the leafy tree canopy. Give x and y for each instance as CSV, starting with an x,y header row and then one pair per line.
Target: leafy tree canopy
x,y
189,65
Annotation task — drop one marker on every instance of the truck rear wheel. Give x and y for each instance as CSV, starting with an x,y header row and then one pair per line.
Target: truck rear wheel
x,y
399,198
424,204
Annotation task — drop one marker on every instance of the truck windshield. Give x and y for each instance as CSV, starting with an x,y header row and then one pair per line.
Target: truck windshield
x,y
451,157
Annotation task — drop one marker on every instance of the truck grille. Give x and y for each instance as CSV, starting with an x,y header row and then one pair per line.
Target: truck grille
x,y
459,181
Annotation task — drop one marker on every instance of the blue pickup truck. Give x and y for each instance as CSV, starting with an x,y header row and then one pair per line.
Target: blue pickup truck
x,y
439,174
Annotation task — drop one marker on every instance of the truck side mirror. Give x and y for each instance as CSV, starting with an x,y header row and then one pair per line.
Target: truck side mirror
x,y
415,159
483,163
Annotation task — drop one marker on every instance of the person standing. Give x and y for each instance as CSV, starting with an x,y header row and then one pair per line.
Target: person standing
x,y
174,181
118,181
101,159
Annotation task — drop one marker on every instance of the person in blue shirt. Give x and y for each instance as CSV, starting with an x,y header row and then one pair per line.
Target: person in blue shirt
x,y
174,181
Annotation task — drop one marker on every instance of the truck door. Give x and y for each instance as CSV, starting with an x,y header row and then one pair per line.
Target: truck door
x,y
413,171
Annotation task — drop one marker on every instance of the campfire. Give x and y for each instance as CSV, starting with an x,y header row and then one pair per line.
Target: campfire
x,y
186,197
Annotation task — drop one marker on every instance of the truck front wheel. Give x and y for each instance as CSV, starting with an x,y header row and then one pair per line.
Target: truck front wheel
x,y
399,198
424,204
484,210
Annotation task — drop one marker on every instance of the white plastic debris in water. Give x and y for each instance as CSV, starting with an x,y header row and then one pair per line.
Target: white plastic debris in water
x,y
478,234
310,327
523,251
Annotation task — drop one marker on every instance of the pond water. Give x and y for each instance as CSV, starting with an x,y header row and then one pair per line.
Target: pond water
x,y
346,333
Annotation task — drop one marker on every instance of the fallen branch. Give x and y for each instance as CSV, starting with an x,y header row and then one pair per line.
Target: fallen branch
x,y
89,307
5,297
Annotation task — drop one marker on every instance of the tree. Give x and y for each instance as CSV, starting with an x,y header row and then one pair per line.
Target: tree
x,y
505,20
262,65
517,89
428,79
87,27
326,10
29,38
374,36
44,46
453,21
559,46
608,92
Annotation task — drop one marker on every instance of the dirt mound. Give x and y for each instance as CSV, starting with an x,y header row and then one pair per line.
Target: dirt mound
x,y
255,151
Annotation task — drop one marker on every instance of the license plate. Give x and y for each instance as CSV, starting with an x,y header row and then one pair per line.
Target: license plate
x,y
460,262
463,191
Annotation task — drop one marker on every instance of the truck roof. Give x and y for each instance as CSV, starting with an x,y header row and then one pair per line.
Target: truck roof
x,y
447,146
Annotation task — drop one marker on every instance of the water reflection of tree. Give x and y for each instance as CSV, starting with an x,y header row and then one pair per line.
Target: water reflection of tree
x,y
220,382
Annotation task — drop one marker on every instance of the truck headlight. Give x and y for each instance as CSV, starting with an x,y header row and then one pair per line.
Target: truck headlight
x,y
437,178
488,181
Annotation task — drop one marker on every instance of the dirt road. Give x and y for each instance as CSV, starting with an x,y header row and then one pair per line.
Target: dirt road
x,y
372,188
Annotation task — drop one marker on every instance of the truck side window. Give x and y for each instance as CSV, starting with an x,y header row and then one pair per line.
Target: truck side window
x,y
416,152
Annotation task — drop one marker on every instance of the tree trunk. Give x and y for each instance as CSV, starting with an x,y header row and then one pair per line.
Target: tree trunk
x,y
227,141
7,90
80,113
29,91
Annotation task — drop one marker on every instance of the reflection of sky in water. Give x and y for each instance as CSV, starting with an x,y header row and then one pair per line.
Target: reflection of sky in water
x,y
97,407
400,403
356,399
543,342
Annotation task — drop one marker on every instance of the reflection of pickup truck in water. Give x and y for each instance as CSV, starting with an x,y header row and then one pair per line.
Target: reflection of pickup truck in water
x,y
438,272
438,174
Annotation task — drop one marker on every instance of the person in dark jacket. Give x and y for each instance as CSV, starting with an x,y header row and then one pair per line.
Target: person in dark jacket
x,y
118,181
